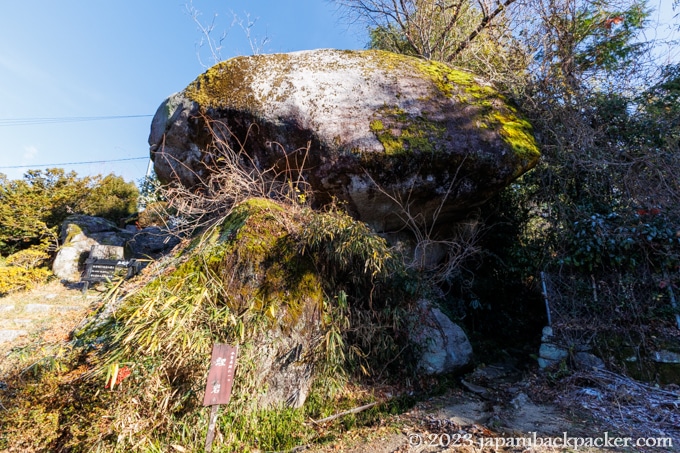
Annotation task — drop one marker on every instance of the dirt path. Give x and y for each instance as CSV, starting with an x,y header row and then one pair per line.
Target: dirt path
x,y
507,407
472,418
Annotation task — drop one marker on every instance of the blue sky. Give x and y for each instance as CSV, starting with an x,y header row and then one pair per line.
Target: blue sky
x,y
85,58
93,58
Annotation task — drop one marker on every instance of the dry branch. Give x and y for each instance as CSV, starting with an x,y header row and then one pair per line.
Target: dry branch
x,y
348,412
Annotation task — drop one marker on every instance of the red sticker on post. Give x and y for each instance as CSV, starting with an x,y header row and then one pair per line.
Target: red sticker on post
x,y
220,375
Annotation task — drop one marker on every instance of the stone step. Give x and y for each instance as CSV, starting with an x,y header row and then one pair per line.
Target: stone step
x,y
42,308
10,323
7,335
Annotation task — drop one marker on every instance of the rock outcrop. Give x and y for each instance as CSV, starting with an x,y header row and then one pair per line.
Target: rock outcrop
x,y
80,232
387,134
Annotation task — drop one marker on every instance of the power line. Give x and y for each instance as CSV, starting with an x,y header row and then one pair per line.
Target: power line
x,y
74,163
6,122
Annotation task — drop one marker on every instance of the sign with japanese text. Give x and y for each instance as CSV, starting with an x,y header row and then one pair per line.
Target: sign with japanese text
x,y
220,375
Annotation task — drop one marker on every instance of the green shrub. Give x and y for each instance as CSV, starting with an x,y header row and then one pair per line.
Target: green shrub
x,y
28,259
13,278
33,208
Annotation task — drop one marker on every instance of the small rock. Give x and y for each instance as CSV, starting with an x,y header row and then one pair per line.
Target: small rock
x,y
107,252
551,352
444,347
547,334
665,356
152,242
520,401
587,361
8,335
4,308
36,308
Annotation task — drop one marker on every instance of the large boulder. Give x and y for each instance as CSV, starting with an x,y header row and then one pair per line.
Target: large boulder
x,y
390,135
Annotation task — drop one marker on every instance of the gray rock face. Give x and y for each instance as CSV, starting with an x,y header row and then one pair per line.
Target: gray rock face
x,y
78,234
587,361
386,133
286,378
152,242
444,347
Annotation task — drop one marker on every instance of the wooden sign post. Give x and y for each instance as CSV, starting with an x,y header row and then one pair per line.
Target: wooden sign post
x,y
219,385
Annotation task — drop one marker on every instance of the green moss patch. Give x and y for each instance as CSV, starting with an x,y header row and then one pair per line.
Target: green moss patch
x,y
400,133
494,110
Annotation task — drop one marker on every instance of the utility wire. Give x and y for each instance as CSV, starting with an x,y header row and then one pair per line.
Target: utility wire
x,y
75,163
6,122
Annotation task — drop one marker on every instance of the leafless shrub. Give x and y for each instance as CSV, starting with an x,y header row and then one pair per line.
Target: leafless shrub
x,y
441,258
233,176
215,44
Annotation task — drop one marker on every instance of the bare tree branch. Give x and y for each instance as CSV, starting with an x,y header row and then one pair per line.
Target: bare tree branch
x,y
486,21
435,29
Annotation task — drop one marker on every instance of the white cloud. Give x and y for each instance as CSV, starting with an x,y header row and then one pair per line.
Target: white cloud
x,y
29,152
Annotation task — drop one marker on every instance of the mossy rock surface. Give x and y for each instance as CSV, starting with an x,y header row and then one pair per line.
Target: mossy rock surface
x,y
376,123
254,273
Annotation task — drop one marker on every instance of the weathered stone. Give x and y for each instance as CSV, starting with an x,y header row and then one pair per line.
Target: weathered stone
x,y
107,252
388,134
547,334
8,335
78,234
550,354
152,242
443,346
587,361
665,356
